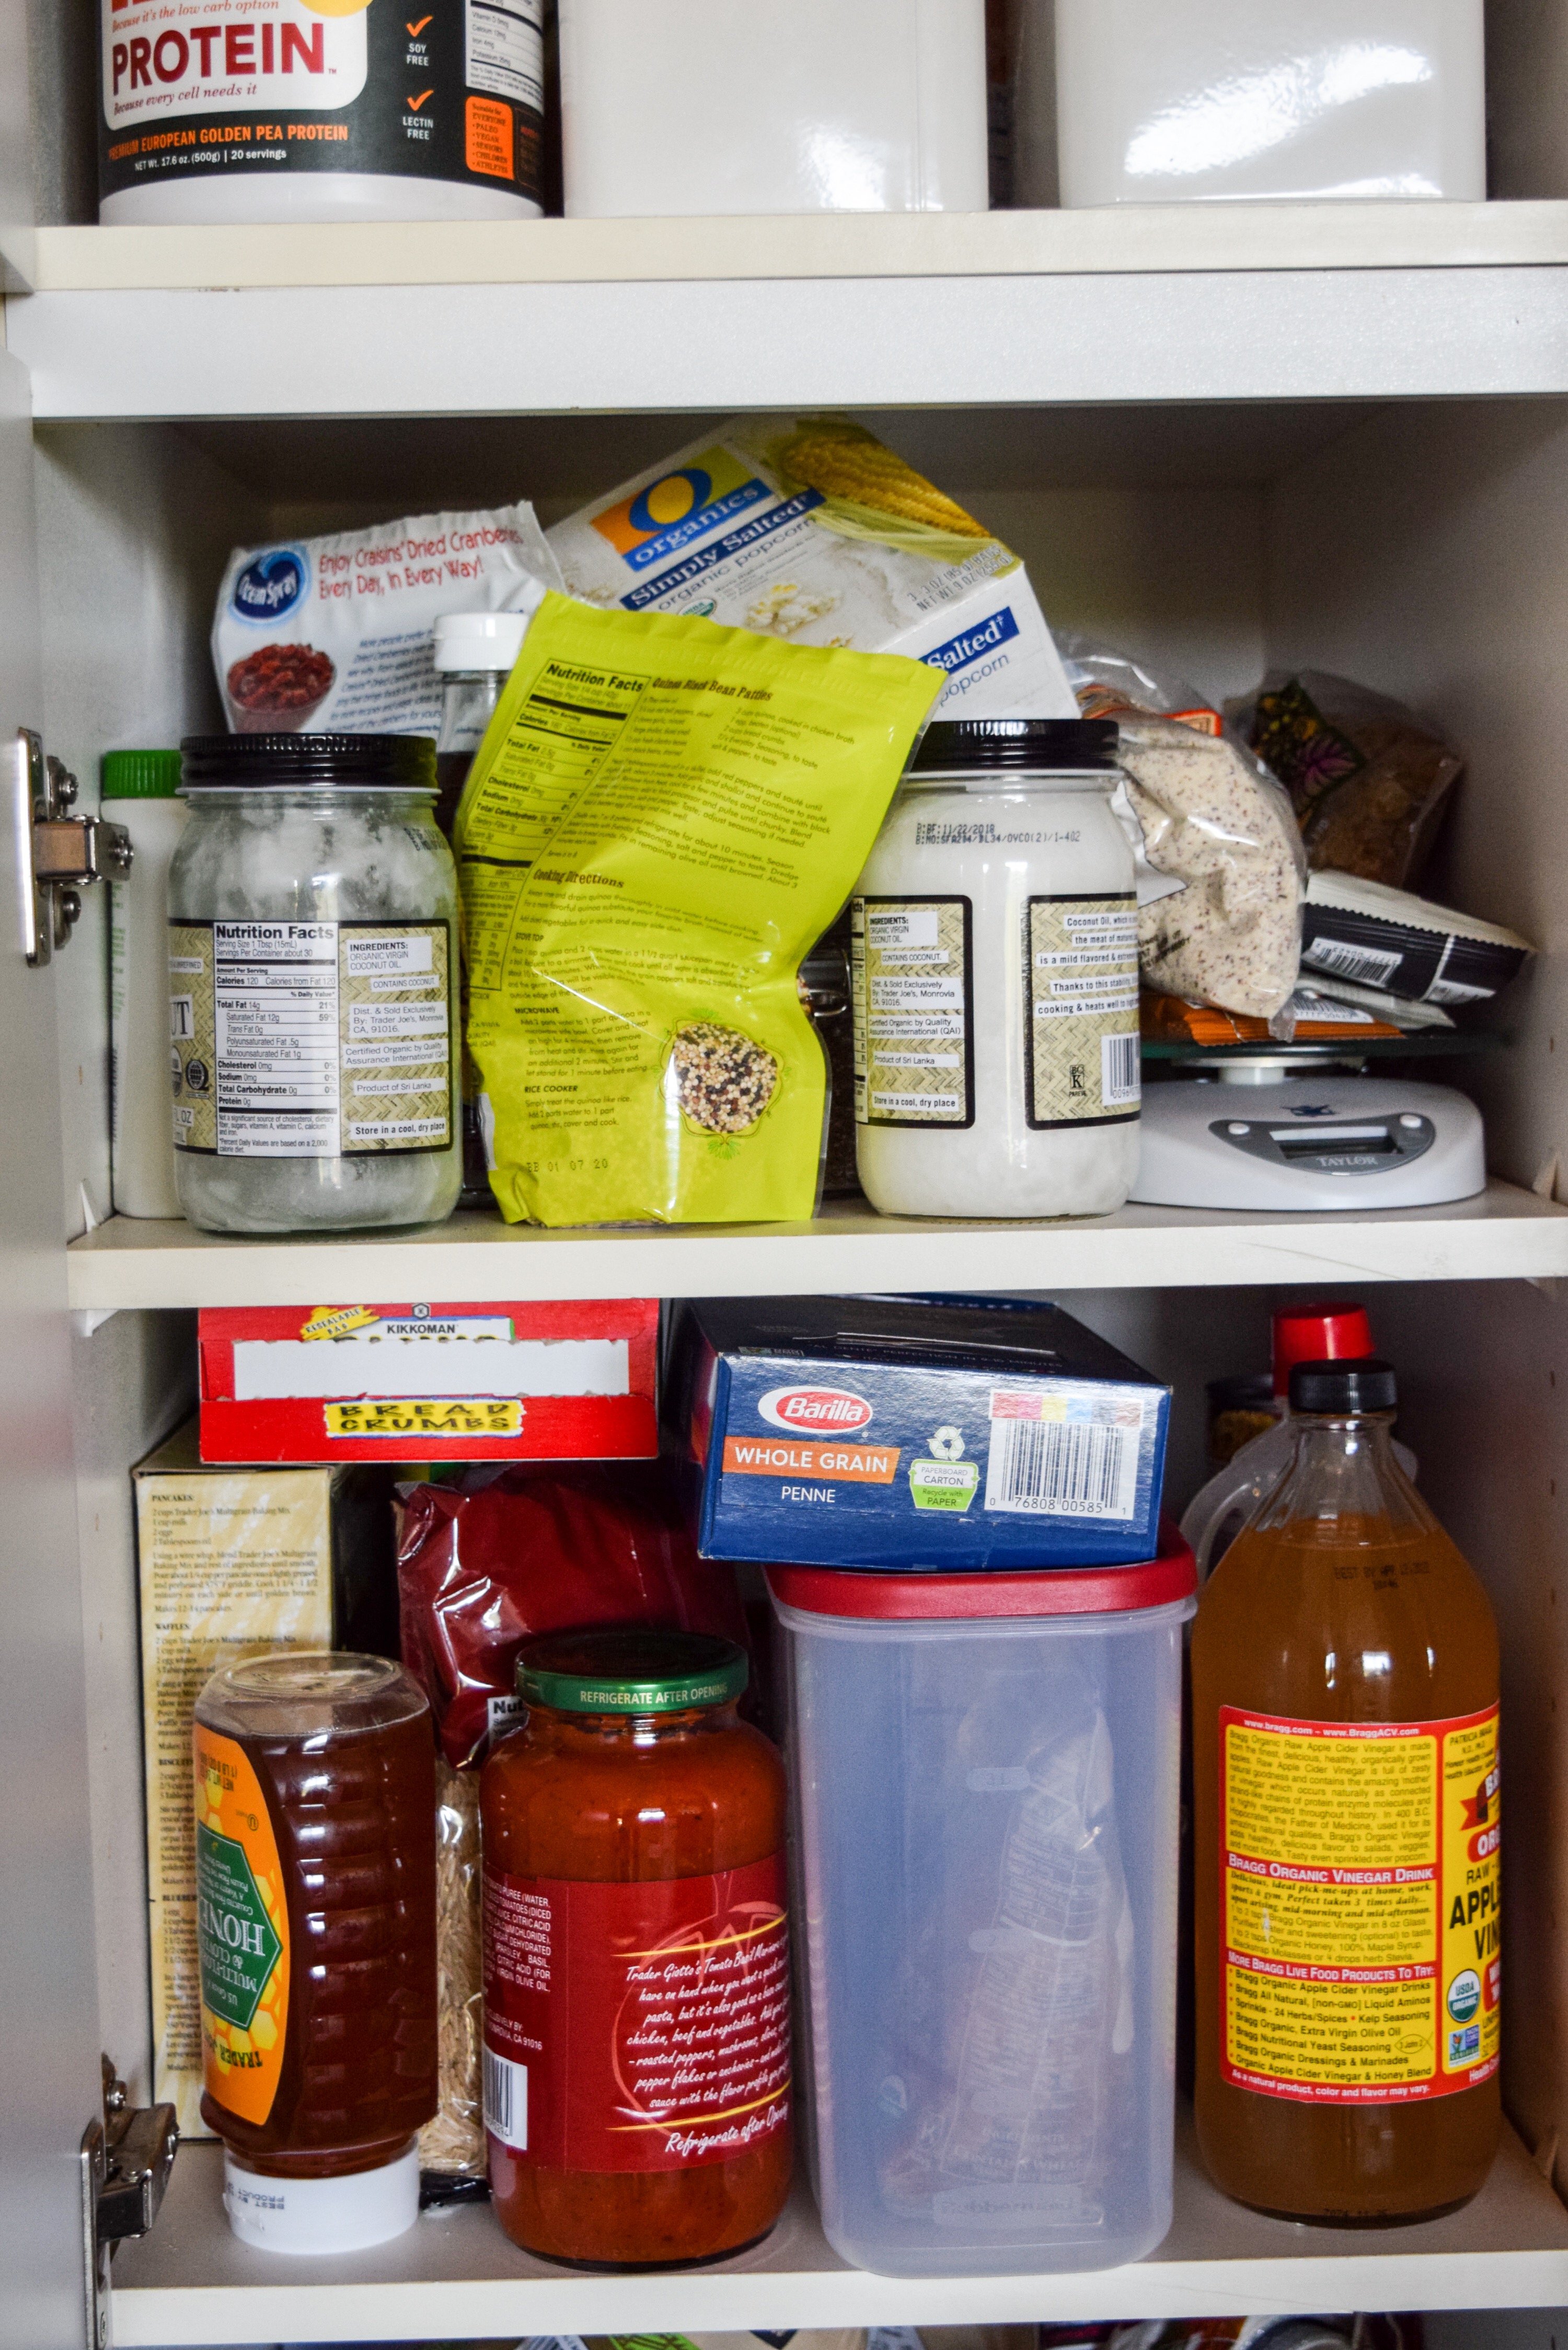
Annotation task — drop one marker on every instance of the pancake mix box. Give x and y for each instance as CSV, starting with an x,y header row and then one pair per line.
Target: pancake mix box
x,y
506,1381
912,1433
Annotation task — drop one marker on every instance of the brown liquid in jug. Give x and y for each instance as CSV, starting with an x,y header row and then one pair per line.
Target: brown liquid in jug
x,y
1343,1602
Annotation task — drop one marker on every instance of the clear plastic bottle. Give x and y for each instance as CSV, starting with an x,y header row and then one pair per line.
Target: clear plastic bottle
x,y
1052,2004
475,655
1347,1836
1334,1331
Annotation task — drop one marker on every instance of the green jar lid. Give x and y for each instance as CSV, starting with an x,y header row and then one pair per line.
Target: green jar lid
x,y
629,1670
141,775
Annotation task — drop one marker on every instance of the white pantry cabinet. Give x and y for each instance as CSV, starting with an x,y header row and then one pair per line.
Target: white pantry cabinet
x,y
1334,434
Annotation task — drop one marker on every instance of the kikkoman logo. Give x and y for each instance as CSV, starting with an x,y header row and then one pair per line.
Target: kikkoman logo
x,y
816,1410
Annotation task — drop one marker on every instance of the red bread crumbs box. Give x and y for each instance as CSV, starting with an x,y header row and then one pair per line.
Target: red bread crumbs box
x,y
429,1383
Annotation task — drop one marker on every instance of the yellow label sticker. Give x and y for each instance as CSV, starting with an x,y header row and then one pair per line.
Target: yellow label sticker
x,y
336,1321
427,1416
242,1931
1360,1866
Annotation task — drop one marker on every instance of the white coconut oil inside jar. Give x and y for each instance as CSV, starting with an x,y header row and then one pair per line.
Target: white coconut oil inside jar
x,y
313,971
995,968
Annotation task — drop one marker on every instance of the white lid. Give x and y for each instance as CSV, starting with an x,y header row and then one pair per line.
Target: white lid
x,y
465,640
323,2215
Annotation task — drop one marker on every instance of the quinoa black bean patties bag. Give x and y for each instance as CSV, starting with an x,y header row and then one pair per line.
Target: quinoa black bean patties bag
x,y
662,819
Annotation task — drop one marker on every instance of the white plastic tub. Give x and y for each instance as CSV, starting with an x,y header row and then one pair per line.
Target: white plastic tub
x,y
1298,97
984,1774
877,108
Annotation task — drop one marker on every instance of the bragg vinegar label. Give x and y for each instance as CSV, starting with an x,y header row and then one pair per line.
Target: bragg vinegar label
x,y
242,1932
1360,1867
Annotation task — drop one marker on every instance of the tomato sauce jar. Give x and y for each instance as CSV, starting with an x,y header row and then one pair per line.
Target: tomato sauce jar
x,y
637,1998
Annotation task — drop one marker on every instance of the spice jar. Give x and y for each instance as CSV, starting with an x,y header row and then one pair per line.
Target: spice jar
x,y
637,2052
316,1931
313,986
995,969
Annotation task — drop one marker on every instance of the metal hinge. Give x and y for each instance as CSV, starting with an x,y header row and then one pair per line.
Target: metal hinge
x,y
126,2158
56,854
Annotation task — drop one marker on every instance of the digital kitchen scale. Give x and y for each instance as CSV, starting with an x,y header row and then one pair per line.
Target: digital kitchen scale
x,y
1263,1132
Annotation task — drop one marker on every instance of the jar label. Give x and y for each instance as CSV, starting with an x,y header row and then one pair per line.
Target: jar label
x,y
242,1932
637,2027
1360,1940
289,87
910,960
1080,1009
310,1040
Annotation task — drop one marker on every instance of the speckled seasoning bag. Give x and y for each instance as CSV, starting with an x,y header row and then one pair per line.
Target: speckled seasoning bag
x,y
661,821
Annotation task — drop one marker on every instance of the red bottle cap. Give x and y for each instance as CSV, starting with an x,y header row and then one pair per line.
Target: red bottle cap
x,y
1318,1333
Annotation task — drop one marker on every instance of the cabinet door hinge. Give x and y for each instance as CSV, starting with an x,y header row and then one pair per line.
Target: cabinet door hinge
x,y
56,854
127,2155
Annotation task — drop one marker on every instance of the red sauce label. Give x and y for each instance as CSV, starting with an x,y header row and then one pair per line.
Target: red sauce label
x,y
637,2027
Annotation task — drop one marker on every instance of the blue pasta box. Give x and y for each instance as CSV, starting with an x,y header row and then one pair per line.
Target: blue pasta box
x,y
913,1433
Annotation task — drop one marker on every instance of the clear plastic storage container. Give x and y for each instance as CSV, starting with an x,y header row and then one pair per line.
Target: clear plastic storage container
x,y
985,1773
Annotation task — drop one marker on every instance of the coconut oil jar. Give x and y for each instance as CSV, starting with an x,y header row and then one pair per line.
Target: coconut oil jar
x,y
994,938
313,952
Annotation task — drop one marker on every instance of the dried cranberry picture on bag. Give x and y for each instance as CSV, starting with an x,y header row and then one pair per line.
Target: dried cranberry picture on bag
x,y
277,688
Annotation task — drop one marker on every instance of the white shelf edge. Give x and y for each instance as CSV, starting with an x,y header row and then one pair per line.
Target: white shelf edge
x,y
190,2281
974,338
1503,1235
1114,238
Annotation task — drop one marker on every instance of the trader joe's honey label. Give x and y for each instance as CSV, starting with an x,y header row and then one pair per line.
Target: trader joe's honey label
x,y
1360,1871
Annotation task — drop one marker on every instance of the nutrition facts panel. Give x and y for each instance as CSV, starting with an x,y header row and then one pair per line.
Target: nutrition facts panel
x,y
275,988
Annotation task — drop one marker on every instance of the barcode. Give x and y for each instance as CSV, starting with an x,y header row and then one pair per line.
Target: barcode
x,y
506,2100
1373,966
1119,1070
1063,1468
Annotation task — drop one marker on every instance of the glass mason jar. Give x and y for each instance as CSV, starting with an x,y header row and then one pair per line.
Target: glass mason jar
x,y
995,969
313,978
637,2004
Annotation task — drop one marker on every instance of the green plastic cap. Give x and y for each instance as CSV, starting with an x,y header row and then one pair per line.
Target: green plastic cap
x,y
629,1670
141,775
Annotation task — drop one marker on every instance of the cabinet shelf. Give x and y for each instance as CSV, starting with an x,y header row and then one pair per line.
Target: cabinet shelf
x,y
1504,1234
1159,302
455,2273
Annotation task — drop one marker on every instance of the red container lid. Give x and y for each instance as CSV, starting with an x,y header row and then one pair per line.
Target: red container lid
x,y
1322,1333
994,1591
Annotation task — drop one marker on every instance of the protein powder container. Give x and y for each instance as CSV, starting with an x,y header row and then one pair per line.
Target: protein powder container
x,y
995,969
338,110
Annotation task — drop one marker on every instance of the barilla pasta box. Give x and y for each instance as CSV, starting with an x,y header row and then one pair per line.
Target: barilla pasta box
x,y
431,1383
913,1434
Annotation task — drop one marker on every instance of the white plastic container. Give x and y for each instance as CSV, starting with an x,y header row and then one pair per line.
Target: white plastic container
x,y
138,792
985,1846
994,958
878,108
1157,103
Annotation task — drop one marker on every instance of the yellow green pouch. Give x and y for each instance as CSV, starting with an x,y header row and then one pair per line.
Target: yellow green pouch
x,y
663,818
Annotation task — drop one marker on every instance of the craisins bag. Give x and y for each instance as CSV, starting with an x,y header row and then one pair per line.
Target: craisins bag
x,y
485,1564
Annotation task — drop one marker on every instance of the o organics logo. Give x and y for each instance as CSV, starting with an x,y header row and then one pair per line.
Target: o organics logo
x,y
815,1411
680,507
271,585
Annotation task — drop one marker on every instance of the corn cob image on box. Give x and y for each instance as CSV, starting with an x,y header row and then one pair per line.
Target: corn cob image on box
x,y
808,527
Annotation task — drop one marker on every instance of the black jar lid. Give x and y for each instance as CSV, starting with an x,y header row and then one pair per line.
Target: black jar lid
x,y
955,746
1363,1383
402,763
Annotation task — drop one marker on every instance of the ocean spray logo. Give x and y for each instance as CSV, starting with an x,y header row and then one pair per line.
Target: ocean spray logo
x,y
960,651
680,508
816,1410
271,585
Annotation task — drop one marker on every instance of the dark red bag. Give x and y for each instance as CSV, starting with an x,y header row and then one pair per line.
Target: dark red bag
x,y
485,1564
